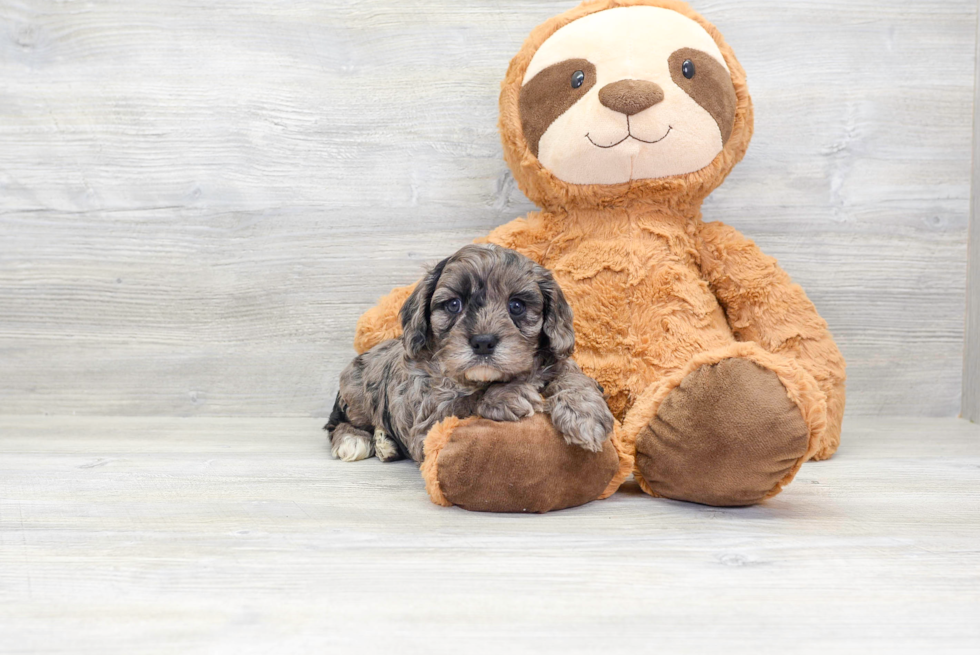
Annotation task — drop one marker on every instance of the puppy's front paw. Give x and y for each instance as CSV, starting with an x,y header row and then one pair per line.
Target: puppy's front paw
x,y
583,420
510,402
350,444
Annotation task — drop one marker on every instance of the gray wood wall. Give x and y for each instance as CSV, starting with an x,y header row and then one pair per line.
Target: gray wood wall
x,y
197,199
971,359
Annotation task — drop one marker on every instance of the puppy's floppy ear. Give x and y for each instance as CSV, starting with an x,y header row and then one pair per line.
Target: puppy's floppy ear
x,y
415,311
558,330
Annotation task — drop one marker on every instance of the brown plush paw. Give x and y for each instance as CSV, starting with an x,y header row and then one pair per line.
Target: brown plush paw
x,y
524,466
726,436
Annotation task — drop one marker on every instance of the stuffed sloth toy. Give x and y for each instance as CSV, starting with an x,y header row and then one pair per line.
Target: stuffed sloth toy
x,y
618,118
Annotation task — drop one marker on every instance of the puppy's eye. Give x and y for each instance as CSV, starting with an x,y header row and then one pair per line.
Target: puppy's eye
x,y
517,307
453,306
688,69
578,79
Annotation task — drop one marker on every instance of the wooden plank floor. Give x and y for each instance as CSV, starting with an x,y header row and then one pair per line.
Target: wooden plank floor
x,y
144,535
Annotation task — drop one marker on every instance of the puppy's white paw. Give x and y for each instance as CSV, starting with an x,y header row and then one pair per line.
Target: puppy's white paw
x,y
351,448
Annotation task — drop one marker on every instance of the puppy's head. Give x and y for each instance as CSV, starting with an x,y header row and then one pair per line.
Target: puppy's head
x,y
488,314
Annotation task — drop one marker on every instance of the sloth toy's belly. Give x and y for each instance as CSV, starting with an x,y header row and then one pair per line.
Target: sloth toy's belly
x,y
642,310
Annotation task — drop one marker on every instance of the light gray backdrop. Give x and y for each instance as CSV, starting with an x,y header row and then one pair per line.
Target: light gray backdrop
x,y
198,199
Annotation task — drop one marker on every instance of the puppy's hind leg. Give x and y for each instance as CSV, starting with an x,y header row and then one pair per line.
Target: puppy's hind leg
x,y
385,447
346,441
350,444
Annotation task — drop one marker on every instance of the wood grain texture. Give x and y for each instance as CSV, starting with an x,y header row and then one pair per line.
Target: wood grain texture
x,y
971,358
214,535
197,200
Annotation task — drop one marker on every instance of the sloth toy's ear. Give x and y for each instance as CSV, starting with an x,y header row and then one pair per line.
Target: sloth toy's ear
x,y
415,312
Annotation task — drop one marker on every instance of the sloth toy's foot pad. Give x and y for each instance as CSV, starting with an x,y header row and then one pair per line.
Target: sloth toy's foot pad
x,y
726,436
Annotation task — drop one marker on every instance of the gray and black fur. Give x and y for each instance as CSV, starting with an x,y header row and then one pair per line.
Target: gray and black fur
x,y
487,332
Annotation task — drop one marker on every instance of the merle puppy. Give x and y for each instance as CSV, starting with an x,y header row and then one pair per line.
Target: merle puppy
x,y
487,332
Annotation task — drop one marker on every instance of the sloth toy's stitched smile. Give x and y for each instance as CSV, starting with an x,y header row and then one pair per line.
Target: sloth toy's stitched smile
x,y
629,135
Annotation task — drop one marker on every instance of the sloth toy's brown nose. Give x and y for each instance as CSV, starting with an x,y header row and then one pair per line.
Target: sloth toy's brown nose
x,y
630,96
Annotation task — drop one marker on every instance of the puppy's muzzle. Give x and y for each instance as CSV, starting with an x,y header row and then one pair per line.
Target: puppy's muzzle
x,y
484,344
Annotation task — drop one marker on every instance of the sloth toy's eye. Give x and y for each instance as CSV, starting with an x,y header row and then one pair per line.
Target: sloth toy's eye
x,y
578,79
688,69
454,306
516,307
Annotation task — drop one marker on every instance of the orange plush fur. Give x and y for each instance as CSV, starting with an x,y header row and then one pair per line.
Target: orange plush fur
x,y
656,291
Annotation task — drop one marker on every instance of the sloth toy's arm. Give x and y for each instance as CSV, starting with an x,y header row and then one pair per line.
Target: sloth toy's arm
x,y
764,306
382,321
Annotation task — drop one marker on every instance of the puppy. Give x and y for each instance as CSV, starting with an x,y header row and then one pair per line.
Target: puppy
x,y
487,332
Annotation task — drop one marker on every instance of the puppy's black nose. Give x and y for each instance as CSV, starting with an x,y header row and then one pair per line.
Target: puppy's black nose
x,y
483,344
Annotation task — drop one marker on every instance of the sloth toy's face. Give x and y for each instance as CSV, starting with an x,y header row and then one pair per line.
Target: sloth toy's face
x,y
631,93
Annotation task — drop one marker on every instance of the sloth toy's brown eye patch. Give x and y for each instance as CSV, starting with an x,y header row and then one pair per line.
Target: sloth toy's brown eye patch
x,y
708,84
551,93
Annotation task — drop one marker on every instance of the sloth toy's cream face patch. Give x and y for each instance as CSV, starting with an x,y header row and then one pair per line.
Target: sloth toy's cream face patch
x,y
626,94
